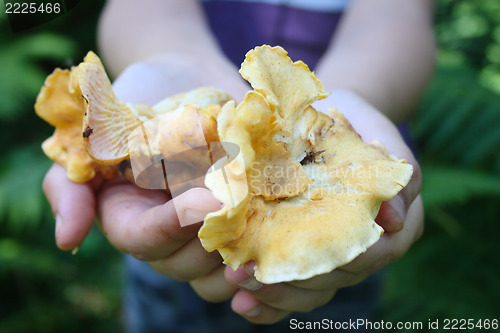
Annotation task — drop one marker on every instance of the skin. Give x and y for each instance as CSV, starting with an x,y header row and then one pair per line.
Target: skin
x,y
376,70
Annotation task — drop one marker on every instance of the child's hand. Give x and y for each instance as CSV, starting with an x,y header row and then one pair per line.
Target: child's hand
x,y
145,223
401,218
74,204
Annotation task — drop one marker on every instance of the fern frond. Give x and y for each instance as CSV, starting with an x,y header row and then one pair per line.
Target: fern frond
x,y
487,143
458,121
448,185
452,124
475,129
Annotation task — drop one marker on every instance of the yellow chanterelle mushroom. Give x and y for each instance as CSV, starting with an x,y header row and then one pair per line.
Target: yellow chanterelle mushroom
x,y
299,197
314,186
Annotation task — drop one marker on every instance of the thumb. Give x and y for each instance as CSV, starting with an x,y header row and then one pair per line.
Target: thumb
x,y
141,223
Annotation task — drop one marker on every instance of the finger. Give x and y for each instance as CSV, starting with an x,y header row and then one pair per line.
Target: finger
x,y
336,279
213,287
390,247
380,128
73,206
144,224
412,190
191,261
392,214
288,298
280,296
254,311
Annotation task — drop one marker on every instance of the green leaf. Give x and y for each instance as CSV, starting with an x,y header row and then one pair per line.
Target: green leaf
x,y
451,126
457,121
447,185
476,128
21,69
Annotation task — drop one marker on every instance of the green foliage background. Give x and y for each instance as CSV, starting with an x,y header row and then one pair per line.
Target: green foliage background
x,y
42,288
452,272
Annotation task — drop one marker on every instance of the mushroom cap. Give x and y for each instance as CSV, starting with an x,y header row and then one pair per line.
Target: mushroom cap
x,y
62,106
300,192
174,148
304,194
93,126
107,121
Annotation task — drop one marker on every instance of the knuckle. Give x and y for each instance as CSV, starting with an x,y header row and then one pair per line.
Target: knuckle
x,y
211,296
307,303
181,275
304,307
268,317
319,299
141,256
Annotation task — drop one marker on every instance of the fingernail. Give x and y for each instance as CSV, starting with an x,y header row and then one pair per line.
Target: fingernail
x,y
75,250
251,284
254,313
398,205
250,267
191,216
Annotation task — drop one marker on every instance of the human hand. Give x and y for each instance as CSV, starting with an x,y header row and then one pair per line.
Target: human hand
x,y
401,218
74,204
139,222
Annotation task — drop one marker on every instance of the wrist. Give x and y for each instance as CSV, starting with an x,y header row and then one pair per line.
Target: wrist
x,y
204,70
167,74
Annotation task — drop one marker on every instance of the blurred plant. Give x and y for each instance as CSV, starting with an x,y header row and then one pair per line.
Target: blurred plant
x,y
44,289
469,34
452,271
22,204
20,62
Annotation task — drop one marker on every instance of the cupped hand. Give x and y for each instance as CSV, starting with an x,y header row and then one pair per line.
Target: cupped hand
x,y
140,222
144,223
401,218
